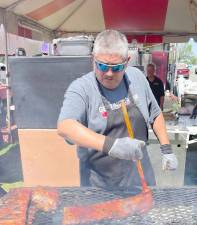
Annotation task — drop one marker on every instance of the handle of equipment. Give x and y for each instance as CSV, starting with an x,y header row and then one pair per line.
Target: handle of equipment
x,y
131,135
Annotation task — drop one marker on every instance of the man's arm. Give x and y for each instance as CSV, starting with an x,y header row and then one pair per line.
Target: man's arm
x,y
169,160
161,102
159,129
80,134
162,94
122,148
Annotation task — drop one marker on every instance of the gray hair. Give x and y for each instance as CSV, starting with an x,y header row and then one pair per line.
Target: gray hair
x,y
151,65
111,42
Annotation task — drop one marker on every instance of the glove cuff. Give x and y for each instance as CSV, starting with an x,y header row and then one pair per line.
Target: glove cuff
x,y
166,149
109,141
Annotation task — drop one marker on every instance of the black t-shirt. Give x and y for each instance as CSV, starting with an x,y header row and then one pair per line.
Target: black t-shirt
x,y
168,86
157,88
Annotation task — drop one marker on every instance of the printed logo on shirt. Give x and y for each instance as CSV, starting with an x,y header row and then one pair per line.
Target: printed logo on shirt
x,y
112,106
103,111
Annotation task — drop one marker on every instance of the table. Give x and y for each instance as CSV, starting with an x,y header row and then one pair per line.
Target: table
x,y
182,129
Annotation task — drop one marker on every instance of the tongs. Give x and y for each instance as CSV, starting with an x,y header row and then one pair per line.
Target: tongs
x,y
131,135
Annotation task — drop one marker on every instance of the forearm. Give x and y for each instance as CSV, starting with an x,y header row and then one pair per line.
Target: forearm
x,y
160,131
80,134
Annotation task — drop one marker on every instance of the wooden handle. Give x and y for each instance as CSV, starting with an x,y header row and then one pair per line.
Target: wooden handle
x,y
131,135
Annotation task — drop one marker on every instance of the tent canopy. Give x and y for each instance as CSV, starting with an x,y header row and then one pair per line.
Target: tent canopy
x,y
158,20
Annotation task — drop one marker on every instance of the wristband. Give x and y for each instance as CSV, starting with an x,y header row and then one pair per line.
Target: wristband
x,y
109,141
166,149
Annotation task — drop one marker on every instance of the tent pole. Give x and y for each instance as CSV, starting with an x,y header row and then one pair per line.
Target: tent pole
x,y
7,77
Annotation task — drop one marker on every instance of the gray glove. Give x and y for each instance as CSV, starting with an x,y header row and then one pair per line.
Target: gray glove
x,y
169,160
124,148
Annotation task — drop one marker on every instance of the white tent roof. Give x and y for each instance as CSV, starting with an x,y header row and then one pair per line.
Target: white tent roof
x,y
159,19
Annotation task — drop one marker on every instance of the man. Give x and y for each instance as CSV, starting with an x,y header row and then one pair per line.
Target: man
x,y
91,118
55,49
156,85
168,86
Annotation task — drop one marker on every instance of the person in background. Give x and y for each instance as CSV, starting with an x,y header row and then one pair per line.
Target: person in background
x,y
169,93
55,49
91,117
156,84
194,112
168,86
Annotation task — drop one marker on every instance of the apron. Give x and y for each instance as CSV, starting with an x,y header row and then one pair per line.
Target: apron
x,y
104,171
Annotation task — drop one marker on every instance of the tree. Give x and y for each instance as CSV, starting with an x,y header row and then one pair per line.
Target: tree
x,y
185,54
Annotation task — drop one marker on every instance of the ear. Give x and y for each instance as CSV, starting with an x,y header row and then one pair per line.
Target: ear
x,y
92,59
93,63
128,59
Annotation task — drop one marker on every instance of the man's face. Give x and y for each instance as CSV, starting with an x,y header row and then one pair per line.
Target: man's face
x,y
109,79
150,71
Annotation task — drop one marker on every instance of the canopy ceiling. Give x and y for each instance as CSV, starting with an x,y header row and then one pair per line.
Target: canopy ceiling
x,y
162,19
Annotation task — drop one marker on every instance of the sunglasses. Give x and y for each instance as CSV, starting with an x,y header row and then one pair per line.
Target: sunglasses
x,y
105,67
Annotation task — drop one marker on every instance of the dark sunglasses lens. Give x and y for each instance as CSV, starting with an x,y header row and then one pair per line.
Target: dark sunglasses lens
x,y
102,67
118,68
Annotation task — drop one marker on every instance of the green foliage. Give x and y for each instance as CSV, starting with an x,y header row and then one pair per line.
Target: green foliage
x,y
2,59
185,54
7,148
9,186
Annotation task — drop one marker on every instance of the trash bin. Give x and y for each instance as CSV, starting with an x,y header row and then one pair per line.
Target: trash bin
x,y
190,177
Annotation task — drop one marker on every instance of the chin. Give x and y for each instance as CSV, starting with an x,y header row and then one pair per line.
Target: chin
x,y
110,86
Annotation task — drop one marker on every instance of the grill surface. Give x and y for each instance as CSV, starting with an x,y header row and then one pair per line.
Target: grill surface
x,y
172,206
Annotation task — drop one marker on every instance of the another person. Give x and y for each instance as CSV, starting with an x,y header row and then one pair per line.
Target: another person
x,y
181,84
168,86
156,85
55,49
169,94
194,112
91,118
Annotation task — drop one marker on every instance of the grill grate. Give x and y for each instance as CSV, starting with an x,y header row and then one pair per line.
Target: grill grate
x,y
177,206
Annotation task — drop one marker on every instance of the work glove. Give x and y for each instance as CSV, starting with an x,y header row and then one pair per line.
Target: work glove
x,y
169,160
124,148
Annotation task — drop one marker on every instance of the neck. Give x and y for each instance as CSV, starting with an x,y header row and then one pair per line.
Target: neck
x,y
151,78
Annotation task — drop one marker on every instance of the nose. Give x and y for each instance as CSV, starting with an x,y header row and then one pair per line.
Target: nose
x,y
109,73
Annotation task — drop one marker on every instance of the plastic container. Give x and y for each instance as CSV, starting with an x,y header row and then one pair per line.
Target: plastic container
x,y
72,47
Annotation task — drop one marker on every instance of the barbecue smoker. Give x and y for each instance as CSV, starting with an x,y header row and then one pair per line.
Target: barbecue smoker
x,y
48,206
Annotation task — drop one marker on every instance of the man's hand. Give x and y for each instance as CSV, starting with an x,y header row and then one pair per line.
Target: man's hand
x,y
127,148
169,160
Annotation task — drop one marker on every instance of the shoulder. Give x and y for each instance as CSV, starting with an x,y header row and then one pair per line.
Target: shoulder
x,y
134,74
158,80
82,83
137,78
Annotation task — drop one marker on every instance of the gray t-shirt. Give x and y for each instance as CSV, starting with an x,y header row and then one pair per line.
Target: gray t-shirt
x,y
83,101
